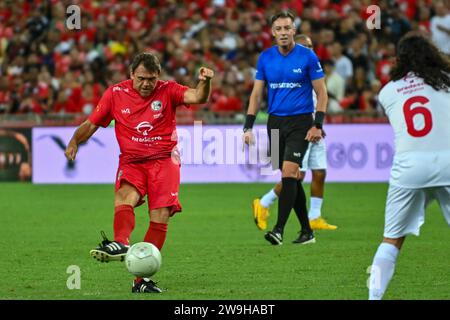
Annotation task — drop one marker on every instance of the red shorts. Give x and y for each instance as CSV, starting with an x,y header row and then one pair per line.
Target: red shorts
x,y
159,179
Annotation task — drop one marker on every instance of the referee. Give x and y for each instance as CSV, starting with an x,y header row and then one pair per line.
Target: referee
x,y
291,72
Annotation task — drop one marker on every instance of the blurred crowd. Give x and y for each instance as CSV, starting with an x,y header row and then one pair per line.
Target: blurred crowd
x,y
45,67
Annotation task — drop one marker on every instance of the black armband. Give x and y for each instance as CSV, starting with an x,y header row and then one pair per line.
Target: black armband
x,y
249,121
318,119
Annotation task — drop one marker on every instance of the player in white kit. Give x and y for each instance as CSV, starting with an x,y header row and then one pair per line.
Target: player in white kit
x,y
417,103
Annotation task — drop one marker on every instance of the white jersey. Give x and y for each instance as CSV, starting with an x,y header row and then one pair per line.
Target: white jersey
x,y
420,117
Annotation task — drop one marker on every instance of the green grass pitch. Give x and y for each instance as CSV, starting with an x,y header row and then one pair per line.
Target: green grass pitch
x,y
213,249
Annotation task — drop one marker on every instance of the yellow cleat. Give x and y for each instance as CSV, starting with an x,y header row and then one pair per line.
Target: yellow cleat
x,y
321,224
260,214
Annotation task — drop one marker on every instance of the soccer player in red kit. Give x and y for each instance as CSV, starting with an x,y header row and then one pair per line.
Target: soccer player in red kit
x,y
143,108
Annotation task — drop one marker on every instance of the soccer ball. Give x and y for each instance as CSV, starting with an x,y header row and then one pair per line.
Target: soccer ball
x,y
143,259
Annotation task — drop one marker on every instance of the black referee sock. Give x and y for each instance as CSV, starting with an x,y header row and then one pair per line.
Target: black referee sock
x,y
300,208
285,202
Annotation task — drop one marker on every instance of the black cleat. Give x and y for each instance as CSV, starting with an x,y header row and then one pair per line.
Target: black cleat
x,y
305,238
109,250
274,238
145,286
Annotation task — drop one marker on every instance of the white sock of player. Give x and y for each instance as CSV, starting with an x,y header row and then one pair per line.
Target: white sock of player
x,y
382,270
315,208
268,199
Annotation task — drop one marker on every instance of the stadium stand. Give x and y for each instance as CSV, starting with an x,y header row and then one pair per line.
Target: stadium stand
x,y
51,75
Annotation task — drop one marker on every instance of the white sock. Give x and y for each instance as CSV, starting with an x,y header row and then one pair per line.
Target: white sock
x,y
315,208
382,270
268,199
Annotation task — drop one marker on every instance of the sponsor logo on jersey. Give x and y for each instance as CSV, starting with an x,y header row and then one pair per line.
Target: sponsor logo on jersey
x,y
146,139
411,87
320,67
144,127
285,85
297,154
409,77
117,88
126,111
298,70
156,105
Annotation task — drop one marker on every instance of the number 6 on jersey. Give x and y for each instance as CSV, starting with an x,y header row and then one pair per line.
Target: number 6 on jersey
x,y
410,111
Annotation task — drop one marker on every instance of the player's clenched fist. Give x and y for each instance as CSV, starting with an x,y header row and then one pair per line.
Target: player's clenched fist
x,y
71,151
205,73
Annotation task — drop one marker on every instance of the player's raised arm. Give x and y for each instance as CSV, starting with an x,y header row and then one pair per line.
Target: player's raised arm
x,y
201,93
253,105
82,134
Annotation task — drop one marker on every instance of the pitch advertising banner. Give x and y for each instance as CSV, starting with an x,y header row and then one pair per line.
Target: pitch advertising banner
x,y
96,161
355,153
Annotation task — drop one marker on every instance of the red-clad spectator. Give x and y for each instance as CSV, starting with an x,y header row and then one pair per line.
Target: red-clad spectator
x,y
228,101
117,64
4,101
6,32
408,7
44,90
383,69
341,7
5,11
30,105
385,64
424,19
62,63
88,100
139,23
322,52
64,104
5,95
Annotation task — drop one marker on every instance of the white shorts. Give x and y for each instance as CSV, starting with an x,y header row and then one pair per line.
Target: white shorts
x,y
405,209
315,157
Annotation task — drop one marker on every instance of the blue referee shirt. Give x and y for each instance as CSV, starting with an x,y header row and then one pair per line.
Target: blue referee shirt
x,y
289,79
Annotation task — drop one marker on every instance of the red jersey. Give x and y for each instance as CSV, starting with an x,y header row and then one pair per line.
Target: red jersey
x,y
145,126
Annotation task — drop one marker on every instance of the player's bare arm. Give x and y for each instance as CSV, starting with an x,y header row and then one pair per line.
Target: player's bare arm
x,y
315,133
82,134
255,98
201,93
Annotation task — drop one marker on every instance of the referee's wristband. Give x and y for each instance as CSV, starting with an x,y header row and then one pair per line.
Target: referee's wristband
x,y
318,119
249,121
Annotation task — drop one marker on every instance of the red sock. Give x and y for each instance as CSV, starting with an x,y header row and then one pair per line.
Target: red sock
x,y
123,223
156,234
